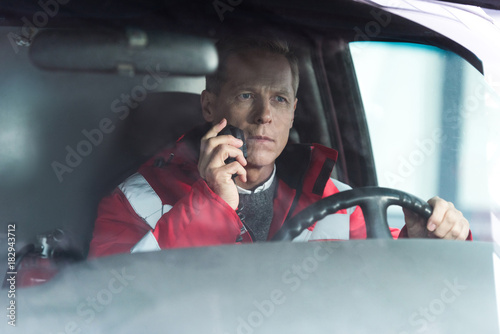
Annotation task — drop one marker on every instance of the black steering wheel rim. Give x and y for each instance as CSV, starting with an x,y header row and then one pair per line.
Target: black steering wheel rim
x,y
373,201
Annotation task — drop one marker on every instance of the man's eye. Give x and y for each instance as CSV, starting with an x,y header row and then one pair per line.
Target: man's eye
x,y
245,96
280,99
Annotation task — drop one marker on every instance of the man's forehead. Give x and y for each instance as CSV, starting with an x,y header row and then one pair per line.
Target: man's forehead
x,y
257,68
261,84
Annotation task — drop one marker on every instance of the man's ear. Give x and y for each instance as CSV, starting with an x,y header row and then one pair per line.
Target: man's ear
x,y
207,100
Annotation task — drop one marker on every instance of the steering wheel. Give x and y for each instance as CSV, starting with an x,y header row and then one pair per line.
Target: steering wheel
x,y
373,202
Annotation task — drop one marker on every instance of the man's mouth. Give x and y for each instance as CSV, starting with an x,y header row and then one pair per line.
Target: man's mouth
x,y
261,138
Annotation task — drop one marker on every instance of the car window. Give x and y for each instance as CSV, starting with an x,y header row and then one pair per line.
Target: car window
x,y
433,123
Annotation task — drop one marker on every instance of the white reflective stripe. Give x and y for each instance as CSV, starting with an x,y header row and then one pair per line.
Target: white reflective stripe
x,y
343,187
303,236
148,243
335,226
143,199
153,218
340,186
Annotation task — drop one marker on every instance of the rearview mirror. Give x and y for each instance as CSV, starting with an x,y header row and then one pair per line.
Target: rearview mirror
x,y
127,52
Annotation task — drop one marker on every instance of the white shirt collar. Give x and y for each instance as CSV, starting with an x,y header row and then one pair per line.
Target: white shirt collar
x,y
260,188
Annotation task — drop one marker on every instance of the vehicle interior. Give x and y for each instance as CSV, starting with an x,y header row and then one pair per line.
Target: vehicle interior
x,y
95,91
70,93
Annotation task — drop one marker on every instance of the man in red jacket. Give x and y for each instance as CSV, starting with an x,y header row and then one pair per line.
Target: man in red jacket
x,y
187,196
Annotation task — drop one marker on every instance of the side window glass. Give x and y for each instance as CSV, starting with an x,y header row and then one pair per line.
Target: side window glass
x,y
433,123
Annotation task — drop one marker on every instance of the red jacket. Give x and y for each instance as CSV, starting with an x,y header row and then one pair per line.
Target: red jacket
x,y
167,204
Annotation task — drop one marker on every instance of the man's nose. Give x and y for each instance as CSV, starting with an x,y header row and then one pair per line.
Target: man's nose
x,y
263,113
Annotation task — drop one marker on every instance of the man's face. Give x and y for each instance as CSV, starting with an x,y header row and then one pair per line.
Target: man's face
x,y
257,97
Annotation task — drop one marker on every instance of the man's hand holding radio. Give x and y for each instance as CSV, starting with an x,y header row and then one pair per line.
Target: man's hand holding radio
x,y
214,150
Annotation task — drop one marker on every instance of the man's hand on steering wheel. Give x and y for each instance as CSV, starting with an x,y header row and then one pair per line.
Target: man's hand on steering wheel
x,y
446,222
435,219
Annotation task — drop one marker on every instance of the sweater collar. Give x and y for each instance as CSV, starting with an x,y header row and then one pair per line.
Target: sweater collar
x,y
266,185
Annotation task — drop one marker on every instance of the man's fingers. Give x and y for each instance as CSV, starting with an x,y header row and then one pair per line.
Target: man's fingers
x,y
241,158
454,233
439,209
214,150
465,232
224,152
452,223
211,140
214,142
236,168
218,157
225,173
214,130
410,216
443,228
446,222
415,224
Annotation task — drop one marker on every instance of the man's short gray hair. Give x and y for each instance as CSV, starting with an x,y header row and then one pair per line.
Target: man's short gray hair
x,y
234,45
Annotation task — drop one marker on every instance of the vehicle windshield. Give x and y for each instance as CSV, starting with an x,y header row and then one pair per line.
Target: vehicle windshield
x,y
95,99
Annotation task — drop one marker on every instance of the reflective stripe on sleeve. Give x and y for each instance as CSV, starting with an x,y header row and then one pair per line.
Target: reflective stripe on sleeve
x,y
148,243
143,199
